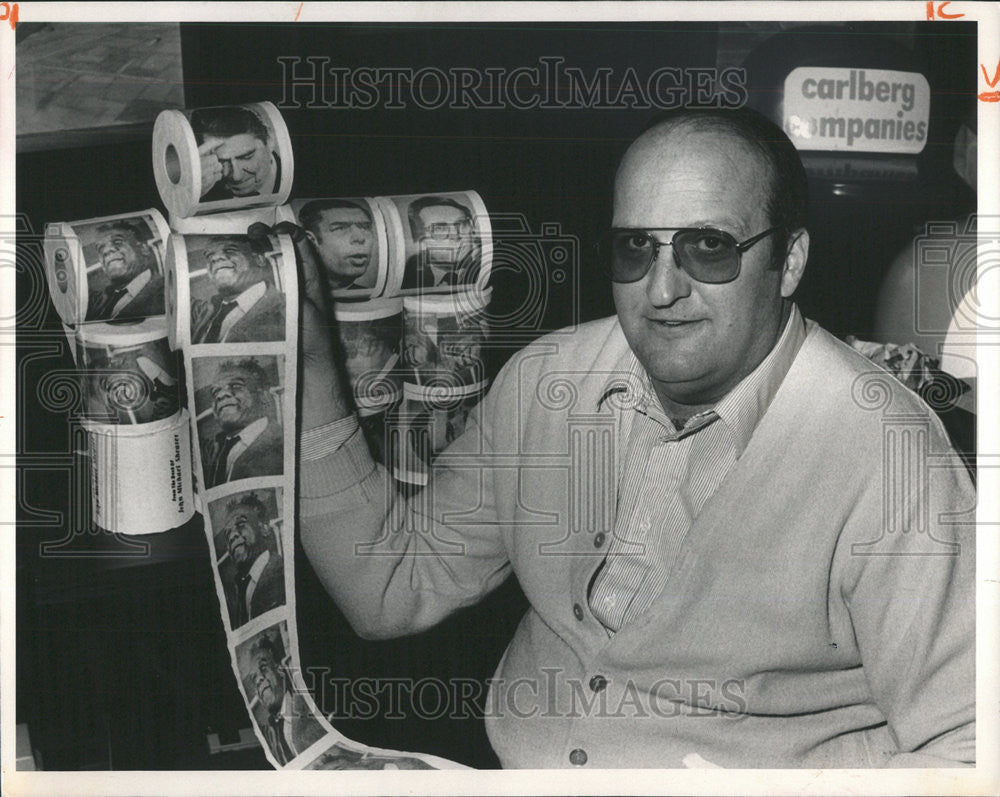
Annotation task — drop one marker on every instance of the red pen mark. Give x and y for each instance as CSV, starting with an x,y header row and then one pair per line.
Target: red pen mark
x,y
990,96
9,12
936,10
299,11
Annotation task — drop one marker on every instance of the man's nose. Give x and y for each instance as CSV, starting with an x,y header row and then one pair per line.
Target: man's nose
x,y
358,235
667,281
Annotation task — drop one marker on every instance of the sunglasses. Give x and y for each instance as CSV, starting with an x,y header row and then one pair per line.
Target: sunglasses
x,y
705,254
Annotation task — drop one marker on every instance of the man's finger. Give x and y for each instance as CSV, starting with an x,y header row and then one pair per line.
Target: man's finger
x,y
209,146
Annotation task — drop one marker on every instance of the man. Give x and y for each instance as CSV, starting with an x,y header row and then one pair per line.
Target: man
x,y
447,246
246,306
135,286
725,566
237,155
254,581
342,233
288,724
250,442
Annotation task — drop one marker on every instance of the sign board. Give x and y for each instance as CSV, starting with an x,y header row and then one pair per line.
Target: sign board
x,y
856,110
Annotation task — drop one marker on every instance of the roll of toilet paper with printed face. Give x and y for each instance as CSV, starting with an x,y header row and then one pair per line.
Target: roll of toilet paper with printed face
x,y
438,242
137,427
213,160
107,268
349,243
369,336
444,338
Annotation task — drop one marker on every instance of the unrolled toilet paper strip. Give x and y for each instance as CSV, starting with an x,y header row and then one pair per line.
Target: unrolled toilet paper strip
x,y
369,336
110,267
350,243
242,393
135,423
438,243
213,160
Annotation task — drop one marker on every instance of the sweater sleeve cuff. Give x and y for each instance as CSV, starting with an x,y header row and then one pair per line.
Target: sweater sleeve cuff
x,y
338,481
317,443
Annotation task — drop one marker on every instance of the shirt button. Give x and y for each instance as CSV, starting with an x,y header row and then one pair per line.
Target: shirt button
x,y
599,539
598,682
578,757
577,611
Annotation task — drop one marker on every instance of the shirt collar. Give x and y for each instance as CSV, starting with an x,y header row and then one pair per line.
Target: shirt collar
x,y
258,566
741,409
139,282
251,295
252,431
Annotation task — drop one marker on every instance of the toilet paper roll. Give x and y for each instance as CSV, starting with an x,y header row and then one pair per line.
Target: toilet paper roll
x,y
370,336
438,243
444,337
129,376
204,273
349,241
110,267
135,422
212,160
162,498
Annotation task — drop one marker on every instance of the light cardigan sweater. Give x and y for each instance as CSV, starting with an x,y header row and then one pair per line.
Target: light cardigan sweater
x,y
820,611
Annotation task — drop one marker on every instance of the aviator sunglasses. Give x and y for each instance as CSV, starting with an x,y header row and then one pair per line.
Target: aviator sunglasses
x,y
705,254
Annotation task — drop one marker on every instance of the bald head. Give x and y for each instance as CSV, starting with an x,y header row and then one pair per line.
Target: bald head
x,y
745,142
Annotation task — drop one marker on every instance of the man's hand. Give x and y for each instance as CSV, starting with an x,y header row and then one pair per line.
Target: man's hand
x,y
211,168
324,397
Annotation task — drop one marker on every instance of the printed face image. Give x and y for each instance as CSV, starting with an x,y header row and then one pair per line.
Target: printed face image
x,y
122,257
232,265
267,682
242,532
236,399
247,167
344,240
447,235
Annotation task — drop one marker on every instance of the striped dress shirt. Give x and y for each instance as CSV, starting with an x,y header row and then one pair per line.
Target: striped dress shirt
x,y
669,474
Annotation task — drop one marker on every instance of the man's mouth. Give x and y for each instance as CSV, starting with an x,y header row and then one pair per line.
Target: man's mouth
x,y
237,546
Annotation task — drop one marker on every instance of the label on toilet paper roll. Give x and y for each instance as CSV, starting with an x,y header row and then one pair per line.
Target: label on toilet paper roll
x,y
105,268
214,160
141,475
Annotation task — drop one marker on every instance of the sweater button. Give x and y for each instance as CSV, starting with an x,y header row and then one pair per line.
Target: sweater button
x,y
577,611
598,682
578,757
599,539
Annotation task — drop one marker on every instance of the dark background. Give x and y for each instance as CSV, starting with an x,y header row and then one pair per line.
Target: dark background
x,y
121,655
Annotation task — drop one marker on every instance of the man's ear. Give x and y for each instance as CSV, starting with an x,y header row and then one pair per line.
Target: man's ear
x,y
795,261
312,237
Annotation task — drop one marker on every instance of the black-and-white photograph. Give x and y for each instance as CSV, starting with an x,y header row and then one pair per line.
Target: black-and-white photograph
x,y
444,342
236,288
275,697
342,757
369,338
239,412
129,373
442,239
248,553
665,463
348,241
